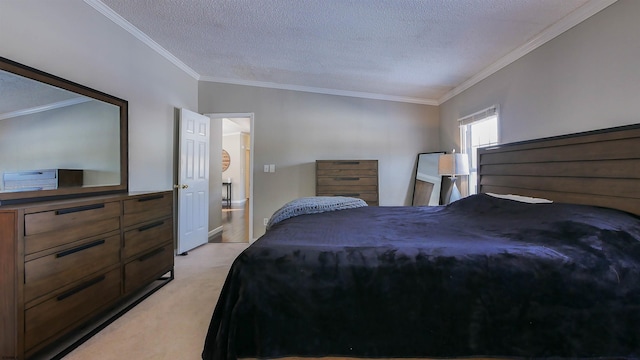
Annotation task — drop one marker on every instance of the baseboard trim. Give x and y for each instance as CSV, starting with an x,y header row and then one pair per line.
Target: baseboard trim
x,y
215,232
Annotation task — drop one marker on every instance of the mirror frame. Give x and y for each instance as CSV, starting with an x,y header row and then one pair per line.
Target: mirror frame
x,y
41,76
416,201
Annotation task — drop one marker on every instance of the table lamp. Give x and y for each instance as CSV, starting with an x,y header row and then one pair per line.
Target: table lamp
x,y
452,165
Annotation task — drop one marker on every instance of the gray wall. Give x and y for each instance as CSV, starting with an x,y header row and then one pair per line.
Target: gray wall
x,y
92,126
293,129
585,79
72,40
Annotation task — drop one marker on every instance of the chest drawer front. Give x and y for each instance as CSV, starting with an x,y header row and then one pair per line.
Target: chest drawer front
x,y
147,236
368,196
147,208
347,164
352,178
50,318
64,218
148,266
347,172
47,273
347,181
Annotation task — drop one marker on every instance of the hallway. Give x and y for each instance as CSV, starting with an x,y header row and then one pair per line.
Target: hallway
x,y
235,224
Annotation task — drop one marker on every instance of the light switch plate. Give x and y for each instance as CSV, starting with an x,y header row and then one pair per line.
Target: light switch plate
x,y
266,168
272,168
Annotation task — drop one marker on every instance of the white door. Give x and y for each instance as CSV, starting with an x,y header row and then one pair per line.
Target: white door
x,y
193,176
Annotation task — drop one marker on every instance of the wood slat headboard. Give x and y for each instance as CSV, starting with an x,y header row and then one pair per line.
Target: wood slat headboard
x,y
600,168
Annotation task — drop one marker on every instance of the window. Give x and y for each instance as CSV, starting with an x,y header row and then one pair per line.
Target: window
x,y
478,130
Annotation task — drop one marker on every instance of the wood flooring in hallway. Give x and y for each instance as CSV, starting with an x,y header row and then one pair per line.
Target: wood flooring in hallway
x,y
235,224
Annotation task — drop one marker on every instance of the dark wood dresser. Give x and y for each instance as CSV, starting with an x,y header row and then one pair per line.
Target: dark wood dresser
x,y
353,178
64,263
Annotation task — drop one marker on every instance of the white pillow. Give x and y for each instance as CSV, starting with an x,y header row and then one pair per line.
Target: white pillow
x,y
524,199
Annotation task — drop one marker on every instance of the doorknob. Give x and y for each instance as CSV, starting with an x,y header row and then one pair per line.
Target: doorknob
x,y
184,186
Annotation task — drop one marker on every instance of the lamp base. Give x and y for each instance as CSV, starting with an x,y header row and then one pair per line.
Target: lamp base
x,y
453,194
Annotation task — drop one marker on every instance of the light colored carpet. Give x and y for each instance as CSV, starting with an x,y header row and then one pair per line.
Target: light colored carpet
x,y
172,323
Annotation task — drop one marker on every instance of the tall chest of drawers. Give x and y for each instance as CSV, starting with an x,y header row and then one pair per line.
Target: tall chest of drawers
x,y
353,178
67,262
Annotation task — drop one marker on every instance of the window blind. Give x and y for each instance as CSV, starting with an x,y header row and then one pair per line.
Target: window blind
x,y
480,115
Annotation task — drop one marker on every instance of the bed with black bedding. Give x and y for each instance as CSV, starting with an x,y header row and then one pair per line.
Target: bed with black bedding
x,y
483,276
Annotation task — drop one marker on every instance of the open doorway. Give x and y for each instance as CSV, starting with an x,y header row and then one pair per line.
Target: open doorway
x,y
235,176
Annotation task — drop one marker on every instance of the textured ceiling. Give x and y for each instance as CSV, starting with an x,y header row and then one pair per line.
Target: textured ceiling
x,y
419,51
19,94
414,49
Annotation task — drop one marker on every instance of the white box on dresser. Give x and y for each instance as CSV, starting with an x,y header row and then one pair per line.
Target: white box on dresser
x,y
47,179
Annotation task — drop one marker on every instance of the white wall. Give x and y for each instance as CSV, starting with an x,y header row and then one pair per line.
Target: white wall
x,y
215,167
293,129
585,79
72,40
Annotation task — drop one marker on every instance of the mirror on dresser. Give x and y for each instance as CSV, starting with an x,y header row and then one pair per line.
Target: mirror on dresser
x,y
58,138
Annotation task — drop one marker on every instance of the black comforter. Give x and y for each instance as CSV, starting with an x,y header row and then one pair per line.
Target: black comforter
x,y
482,276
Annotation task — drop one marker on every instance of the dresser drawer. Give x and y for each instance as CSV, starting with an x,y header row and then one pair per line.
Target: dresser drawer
x,y
50,318
64,218
147,208
48,229
352,178
147,236
69,264
147,267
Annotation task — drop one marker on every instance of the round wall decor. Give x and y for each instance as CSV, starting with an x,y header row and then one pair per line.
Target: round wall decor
x,y
226,160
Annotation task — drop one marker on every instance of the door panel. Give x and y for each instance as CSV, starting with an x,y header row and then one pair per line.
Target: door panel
x,y
193,186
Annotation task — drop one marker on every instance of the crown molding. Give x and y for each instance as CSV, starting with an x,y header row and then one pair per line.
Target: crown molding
x,y
584,12
571,20
358,94
119,20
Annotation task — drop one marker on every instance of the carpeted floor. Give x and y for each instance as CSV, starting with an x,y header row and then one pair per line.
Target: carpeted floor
x,y
172,323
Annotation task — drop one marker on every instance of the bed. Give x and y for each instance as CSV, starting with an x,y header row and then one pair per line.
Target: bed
x,y
485,276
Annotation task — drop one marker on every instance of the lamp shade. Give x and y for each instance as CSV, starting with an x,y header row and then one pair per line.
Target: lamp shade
x,y
453,164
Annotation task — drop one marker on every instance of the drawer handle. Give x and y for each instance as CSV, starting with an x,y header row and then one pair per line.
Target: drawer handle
x,y
79,288
346,162
151,226
352,195
149,198
80,248
79,208
151,254
347,178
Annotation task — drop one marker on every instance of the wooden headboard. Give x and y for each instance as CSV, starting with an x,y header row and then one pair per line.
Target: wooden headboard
x,y
600,168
